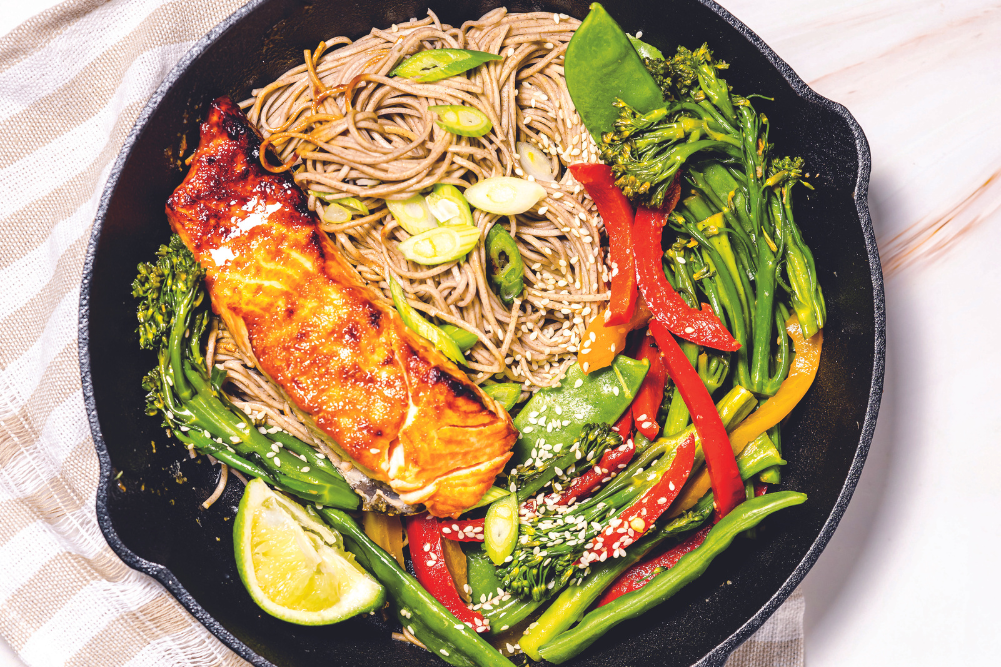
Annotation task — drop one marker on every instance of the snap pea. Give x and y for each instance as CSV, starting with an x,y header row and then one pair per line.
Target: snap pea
x,y
422,327
505,393
601,67
644,50
510,612
504,263
598,398
438,64
408,594
480,572
663,586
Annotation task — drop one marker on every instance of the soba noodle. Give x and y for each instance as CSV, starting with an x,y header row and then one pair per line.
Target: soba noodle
x,y
362,133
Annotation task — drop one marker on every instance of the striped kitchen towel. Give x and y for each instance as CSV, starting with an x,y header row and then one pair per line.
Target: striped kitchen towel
x,y
73,79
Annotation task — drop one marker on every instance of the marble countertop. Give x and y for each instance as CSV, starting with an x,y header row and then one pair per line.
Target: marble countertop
x,y
909,577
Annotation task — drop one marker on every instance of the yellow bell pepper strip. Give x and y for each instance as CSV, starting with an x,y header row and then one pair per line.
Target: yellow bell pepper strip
x,y
608,341
771,412
727,486
386,531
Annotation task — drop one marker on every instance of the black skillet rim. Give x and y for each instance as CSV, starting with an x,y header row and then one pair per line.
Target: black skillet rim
x,y
715,658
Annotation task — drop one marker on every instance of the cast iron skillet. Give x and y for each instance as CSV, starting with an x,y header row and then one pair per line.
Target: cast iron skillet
x,y
149,494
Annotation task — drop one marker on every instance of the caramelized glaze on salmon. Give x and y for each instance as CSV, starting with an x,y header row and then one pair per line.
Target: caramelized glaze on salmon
x,y
394,405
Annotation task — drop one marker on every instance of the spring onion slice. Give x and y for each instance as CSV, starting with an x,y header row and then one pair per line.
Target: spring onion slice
x,y
438,64
348,202
534,161
505,393
448,206
335,213
464,339
440,245
416,322
505,195
462,120
412,214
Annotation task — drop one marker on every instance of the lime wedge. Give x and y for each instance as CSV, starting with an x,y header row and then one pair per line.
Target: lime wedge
x,y
294,566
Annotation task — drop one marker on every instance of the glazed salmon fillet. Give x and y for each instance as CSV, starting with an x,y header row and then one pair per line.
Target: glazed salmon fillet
x,y
372,388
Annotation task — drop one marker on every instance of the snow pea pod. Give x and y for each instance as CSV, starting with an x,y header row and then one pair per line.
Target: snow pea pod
x,y
601,67
557,414
663,586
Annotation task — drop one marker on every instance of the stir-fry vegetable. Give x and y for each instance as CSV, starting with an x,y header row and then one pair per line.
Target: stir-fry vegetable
x,y
553,418
438,64
534,162
416,606
440,245
416,322
665,585
500,529
506,268
772,411
505,393
463,339
722,467
462,120
602,343
448,206
699,326
412,214
617,213
505,195
602,66
432,572
651,394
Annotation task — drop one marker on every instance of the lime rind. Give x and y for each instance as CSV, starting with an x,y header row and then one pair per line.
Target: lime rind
x,y
295,567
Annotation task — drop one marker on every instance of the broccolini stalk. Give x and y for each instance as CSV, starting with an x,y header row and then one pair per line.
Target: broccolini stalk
x,y
173,315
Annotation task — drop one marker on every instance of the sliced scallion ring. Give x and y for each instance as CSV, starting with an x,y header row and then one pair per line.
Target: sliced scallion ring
x,y
412,214
448,205
440,245
534,161
416,322
505,195
336,214
464,339
462,120
348,202
438,64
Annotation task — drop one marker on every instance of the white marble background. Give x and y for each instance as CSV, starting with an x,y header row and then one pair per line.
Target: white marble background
x,y
910,577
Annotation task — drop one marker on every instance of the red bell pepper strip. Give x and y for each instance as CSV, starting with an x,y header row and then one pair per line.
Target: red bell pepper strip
x,y
617,213
668,308
424,537
760,489
651,392
724,476
624,426
636,519
641,573
613,460
464,530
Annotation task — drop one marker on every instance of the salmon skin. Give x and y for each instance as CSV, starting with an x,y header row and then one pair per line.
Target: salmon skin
x,y
377,392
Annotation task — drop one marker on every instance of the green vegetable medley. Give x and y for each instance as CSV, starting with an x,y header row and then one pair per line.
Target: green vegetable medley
x,y
594,522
